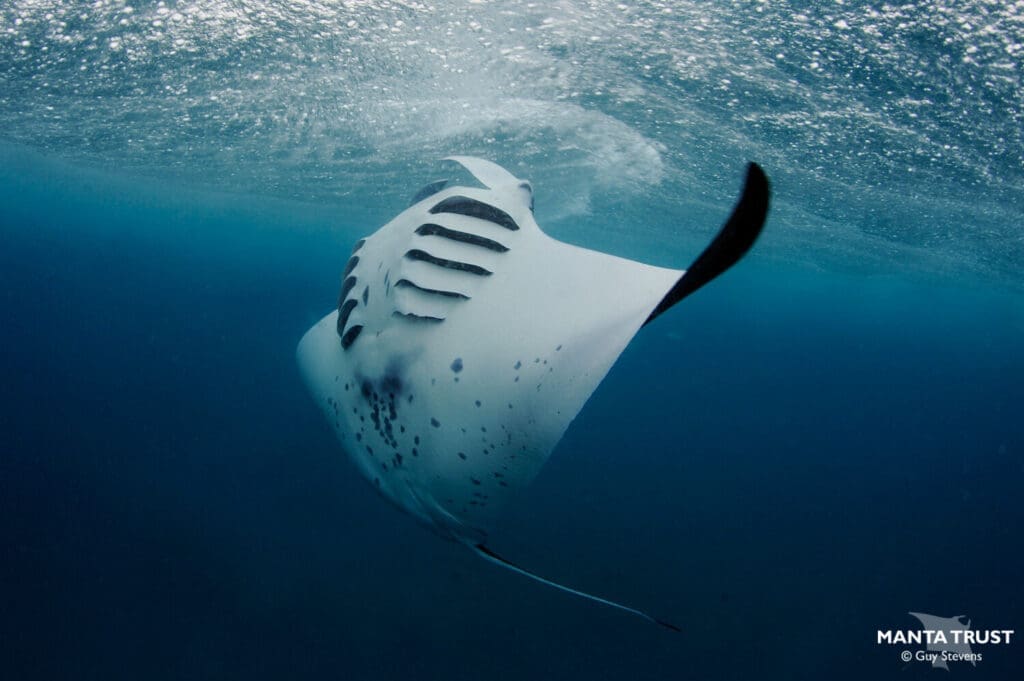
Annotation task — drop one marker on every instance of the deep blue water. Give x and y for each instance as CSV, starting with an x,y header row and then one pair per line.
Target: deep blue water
x,y
822,441
789,461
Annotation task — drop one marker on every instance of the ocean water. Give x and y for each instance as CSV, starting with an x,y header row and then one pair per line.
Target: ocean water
x,y
825,439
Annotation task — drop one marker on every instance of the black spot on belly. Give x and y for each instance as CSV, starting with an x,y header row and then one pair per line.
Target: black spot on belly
x,y
434,422
416,439
457,365
478,403
462,456
366,295
359,437
558,348
518,364
392,382
474,481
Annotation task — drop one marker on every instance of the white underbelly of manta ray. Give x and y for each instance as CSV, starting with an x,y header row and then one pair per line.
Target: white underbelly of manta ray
x,y
466,340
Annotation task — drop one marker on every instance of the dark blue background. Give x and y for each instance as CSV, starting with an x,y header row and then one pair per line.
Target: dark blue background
x,y
784,464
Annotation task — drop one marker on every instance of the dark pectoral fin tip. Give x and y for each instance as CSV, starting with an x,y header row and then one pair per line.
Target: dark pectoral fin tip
x,y
733,240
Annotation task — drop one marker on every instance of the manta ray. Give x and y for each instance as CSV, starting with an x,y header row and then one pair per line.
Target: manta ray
x,y
466,340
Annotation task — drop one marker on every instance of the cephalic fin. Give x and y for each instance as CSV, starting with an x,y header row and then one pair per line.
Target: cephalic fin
x,y
492,557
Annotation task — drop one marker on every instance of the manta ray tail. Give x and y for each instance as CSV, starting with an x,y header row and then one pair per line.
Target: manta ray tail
x,y
735,238
492,557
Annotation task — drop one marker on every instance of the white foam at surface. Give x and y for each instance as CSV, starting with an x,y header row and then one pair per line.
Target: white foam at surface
x,y
651,103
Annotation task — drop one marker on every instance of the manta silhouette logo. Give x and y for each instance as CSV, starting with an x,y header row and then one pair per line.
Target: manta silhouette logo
x,y
946,639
